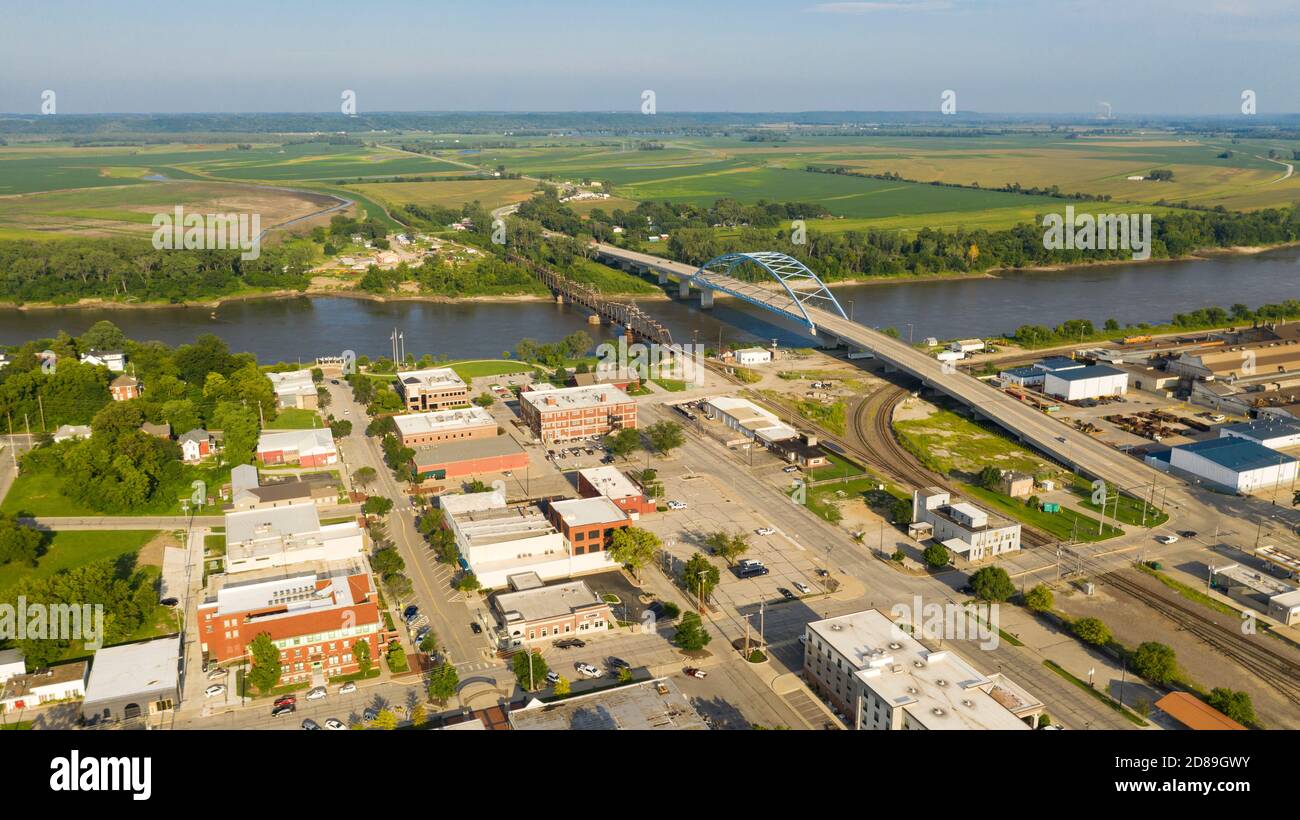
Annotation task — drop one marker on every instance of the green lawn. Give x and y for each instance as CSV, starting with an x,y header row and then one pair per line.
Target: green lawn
x,y
472,369
293,418
1063,525
839,467
1128,509
671,385
72,549
40,494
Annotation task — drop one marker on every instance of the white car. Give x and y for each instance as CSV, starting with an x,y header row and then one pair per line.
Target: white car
x,y
676,505
335,724
1166,539
789,469
214,690
217,674
589,671
317,693
765,531
803,588
347,688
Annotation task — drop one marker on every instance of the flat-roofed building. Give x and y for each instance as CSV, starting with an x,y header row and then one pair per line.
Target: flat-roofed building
x,y
134,681
321,489
497,540
748,419
1226,363
437,388
542,613
261,538
613,484
306,448
588,524
881,678
1091,382
295,389
964,528
1234,464
313,618
66,681
435,427
1274,433
568,413
649,705
475,456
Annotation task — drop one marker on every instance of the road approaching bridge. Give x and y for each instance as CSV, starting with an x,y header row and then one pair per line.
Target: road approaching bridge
x,y
1065,444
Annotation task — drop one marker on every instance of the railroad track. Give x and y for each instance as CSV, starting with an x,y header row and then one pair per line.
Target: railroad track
x,y
1274,668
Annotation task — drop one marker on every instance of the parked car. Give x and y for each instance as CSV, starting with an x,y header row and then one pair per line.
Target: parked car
x,y
695,673
283,709
822,573
213,691
752,571
791,469
676,505
316,693
802,587
170,602
370,714
217,674
786,594
286,700
1166,539
588,671
475,628
410,612
803,639
617,663
1187,533
347,688
421,633
765,531
569,643
311,725
334,724
552,677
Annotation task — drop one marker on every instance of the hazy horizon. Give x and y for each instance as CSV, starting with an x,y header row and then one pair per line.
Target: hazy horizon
x,y
1014,57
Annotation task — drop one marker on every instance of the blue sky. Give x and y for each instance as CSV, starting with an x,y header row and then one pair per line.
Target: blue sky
x,y
1152,56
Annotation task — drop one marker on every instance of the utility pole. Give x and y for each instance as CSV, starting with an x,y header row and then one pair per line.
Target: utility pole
x,y
40,404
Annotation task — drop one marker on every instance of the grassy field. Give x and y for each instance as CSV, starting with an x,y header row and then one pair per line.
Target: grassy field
x,y
292,418
488,367
71,549
949,443
40,494
490,193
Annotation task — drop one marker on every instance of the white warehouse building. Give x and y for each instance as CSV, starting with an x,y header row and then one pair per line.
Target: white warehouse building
x,y
1273,433
1235,464
1086,382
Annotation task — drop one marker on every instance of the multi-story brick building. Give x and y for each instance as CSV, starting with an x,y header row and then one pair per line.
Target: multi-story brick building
x,y
416,429
588,524
611,483
314,619
564,414
435,389
535,612
124,388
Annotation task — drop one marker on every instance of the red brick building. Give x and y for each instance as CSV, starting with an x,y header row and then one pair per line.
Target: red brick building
x,y
313,619
455,459
611,483
588,524
124,388
565,414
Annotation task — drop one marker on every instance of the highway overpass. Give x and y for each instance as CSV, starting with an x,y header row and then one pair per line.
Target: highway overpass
x,y
1064,443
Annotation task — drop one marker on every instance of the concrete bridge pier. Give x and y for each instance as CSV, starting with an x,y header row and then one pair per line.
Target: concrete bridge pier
x,y
663,277
684,288
706,299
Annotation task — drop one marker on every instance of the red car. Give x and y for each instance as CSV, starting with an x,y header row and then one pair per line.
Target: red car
x,y
286,699
695,673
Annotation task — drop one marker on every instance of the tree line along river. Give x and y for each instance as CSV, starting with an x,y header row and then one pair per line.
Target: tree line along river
x,y
290,329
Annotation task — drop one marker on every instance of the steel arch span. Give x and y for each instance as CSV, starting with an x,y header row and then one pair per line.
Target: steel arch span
x,y
802,287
